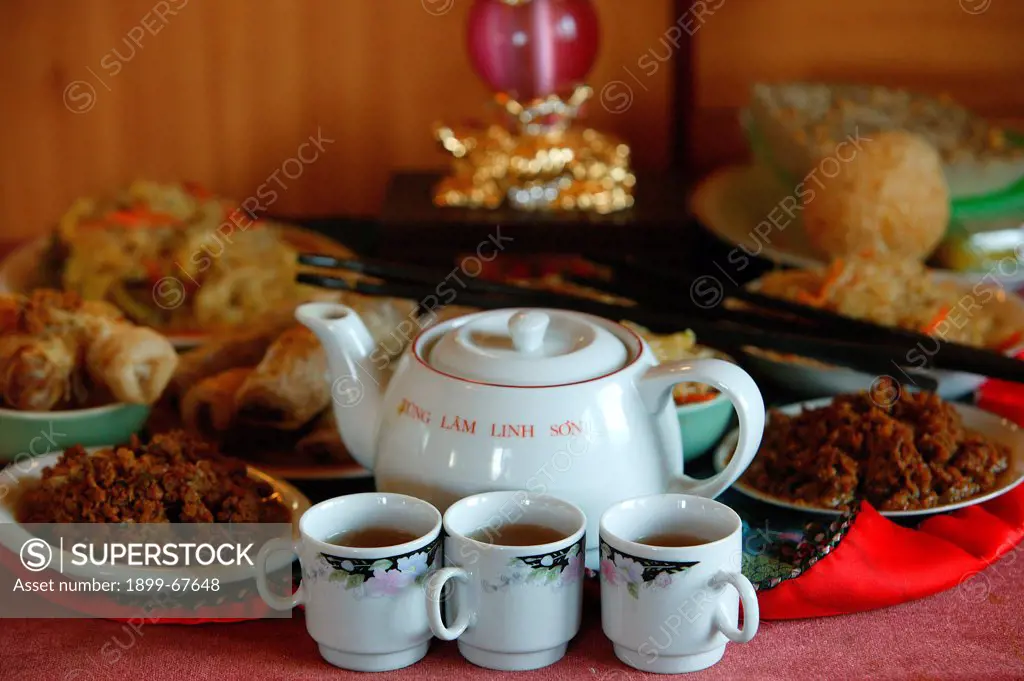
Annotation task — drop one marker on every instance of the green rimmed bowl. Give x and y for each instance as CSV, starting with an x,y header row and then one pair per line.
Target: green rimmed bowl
x,y
34,433
703,424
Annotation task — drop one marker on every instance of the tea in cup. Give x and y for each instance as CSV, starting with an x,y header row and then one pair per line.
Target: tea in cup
x,y
364,558
671,584
517,561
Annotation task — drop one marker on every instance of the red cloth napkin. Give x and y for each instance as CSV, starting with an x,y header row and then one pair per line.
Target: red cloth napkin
x,y
880,563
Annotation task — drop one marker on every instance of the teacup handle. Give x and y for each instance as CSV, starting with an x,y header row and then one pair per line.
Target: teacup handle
x,y
751,610
435,594
655,388
273,600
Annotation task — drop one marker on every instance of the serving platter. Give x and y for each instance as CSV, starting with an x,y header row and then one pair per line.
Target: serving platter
x,y
987,423
19,271
738,203
26,471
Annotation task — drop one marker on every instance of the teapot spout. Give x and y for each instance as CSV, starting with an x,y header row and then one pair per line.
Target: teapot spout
x,y
357,382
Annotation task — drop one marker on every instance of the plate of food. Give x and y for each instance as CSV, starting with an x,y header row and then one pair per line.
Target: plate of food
x,y
74,371
262,393
895,293
172,478
748,208
172,257
907,453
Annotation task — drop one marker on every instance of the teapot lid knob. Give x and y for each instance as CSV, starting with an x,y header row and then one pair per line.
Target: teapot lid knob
x,y
527,329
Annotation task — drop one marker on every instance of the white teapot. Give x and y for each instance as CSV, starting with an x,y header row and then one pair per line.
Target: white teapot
x,y
550,401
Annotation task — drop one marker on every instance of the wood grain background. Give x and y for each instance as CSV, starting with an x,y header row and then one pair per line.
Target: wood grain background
x,y
227,89
224,91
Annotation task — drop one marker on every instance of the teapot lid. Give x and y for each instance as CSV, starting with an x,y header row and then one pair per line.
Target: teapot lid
x,y
528,347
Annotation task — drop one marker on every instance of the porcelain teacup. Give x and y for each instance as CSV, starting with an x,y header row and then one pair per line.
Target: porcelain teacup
x,y
364,605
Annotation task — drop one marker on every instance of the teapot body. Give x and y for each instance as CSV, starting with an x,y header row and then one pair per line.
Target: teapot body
x,y
592,442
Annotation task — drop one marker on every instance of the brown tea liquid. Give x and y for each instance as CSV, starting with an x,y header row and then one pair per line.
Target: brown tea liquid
x,y
670,539
521,534
371,537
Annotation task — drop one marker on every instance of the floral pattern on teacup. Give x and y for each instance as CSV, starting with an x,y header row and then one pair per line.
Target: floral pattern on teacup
x,y
619,569
378,577
559,569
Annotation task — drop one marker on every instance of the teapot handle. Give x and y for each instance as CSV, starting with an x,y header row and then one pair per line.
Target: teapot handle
x,y
655,388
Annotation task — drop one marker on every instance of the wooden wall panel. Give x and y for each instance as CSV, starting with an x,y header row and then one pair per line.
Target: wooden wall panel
x,y
930,45
223,91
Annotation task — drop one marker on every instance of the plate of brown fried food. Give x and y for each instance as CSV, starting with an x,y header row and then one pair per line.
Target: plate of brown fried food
x,y
174,477
906,453
173,257
263,395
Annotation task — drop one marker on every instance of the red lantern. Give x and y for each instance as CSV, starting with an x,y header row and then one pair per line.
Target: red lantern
x,y
533,48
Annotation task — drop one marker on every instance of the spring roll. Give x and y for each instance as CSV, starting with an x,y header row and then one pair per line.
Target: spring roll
x,y
134,362
323,443
12,310
208,408
289,386
35,373
241,349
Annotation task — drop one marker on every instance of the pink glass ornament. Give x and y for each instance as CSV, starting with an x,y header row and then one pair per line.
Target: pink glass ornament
x,y
535,48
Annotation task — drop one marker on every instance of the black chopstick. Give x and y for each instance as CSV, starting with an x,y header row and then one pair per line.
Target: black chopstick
x,y
875,357
922,350
454,279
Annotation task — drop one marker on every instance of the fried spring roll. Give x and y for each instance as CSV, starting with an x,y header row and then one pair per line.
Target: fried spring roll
x,y
12,311
323,443
242,349
134,362
35,373
289,386
208,407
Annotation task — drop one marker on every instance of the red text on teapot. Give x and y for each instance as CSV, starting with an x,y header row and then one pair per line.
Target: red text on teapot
x,y
566,429
458,424
413,411
521,430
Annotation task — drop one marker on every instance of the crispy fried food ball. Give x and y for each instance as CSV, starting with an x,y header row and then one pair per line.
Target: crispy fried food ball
x,y
889,195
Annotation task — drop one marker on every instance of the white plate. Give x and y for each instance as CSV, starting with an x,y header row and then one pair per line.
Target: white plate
x,y
810,378
15,474
993,426
733,202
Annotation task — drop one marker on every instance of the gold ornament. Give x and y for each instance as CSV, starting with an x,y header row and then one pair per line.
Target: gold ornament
x,y
547,164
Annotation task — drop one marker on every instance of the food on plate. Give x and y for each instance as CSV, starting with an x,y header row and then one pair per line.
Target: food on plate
x,y
173,478
907,453
234,349
901,293
889,196
677,347
289,386
262,411
59,351
798,123
35,373
263,393
209,406
176,257
322,443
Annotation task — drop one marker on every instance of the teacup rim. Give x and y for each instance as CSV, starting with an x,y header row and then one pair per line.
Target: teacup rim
x,y
528,549
665,553
411,546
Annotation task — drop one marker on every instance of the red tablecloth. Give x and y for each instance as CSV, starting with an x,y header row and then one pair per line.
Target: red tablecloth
x,y
975,631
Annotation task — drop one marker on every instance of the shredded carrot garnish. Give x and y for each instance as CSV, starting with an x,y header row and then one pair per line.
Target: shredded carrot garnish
x,y
940,317
693,399
832,274
140,217
1010,341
